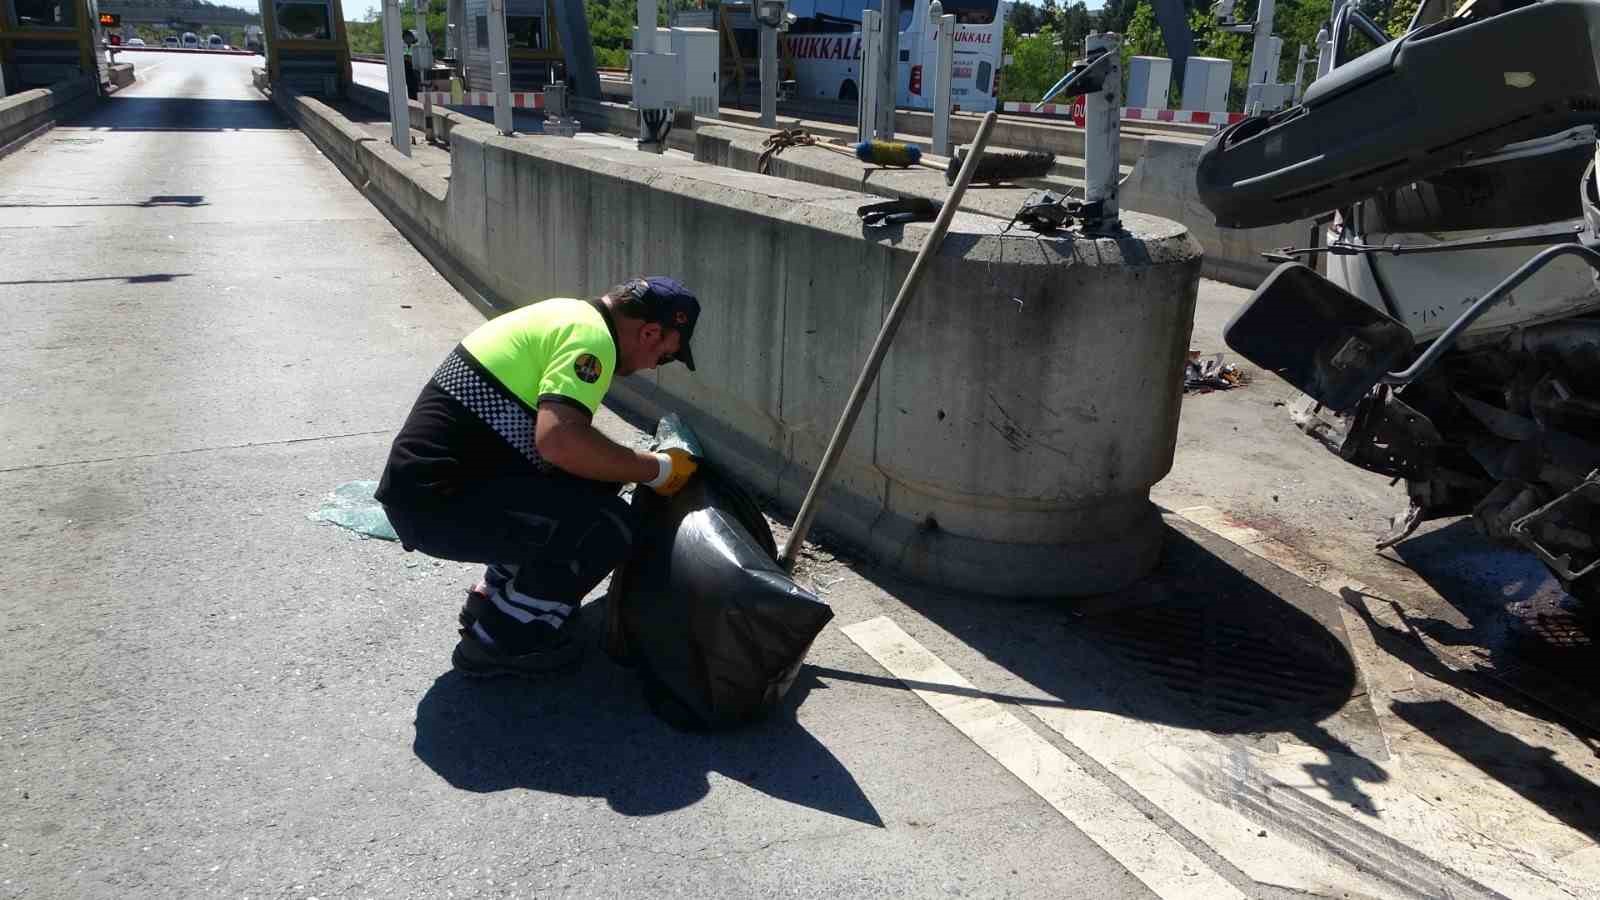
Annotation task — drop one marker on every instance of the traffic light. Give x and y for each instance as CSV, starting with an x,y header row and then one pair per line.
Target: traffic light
x,y
110,20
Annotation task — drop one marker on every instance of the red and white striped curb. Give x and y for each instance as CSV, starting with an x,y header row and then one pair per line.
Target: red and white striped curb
x,y
519,99
1190,116
1135,113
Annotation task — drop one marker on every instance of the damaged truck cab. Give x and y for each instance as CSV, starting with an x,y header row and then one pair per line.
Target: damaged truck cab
x,y
1454,341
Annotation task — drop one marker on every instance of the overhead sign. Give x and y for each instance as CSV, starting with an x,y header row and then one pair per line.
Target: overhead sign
x,y
110,20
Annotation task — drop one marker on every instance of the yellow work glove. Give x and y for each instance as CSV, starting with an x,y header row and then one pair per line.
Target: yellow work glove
x,y
676,467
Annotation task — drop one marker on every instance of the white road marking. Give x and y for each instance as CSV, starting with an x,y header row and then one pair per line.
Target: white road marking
x,y
1118,827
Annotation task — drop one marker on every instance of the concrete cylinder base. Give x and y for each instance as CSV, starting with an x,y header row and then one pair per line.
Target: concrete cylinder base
x,y
1093,565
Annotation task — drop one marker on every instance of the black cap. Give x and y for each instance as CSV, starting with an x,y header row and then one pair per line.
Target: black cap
x,y
673,306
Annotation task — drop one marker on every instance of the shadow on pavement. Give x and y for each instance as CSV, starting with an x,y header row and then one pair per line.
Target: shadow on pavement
x,y
1522,630
1202,644
152,278
589,733
186,201
180,114
1529,770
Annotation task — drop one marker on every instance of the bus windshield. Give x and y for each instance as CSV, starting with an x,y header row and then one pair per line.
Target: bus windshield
x,y
971,12
847,10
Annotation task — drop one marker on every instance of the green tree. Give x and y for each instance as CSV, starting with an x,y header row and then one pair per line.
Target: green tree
x,y
1026,18
366,35
1073,23
611,24
1037,62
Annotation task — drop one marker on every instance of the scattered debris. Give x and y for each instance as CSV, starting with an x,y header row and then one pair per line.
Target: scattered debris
x,y
352,506
779,141
1208,374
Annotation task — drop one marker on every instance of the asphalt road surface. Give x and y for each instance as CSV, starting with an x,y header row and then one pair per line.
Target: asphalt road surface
x,y
207,694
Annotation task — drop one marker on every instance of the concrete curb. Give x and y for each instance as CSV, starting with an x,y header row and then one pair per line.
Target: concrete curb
x,y
27,115
1017,500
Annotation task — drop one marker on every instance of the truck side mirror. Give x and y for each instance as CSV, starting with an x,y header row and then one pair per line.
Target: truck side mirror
x,y
1317,336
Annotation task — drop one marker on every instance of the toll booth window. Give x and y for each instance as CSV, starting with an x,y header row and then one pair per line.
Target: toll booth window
x,y
46,13
525,32
303,21
522,32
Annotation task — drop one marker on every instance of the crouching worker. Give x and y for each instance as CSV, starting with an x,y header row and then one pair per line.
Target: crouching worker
x,y
500,464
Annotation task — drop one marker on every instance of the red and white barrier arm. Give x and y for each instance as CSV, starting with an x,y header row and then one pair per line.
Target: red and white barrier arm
x,y
1133,114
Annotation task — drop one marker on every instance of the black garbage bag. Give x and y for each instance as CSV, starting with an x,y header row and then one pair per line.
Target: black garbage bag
x,y
716,629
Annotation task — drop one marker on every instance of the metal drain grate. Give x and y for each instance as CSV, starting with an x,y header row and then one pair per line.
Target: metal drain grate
x,y
1230,668
1558,630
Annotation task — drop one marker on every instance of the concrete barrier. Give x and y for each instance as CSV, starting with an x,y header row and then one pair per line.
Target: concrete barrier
x,y
1161,184
120,74
27,114
1029,403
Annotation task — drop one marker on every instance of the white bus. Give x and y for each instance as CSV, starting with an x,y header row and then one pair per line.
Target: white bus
x,y
825,41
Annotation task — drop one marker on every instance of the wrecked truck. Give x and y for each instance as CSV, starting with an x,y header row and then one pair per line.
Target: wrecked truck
x,y
1443,319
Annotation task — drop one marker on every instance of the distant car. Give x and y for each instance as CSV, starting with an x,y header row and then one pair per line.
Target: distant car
x,y
215,42
135,42
169,41
191,40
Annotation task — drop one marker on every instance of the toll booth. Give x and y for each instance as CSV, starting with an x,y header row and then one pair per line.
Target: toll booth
x,y
306,45
43,42
533,39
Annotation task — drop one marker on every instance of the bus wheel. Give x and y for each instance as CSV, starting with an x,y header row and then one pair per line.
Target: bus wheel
x,y
847,92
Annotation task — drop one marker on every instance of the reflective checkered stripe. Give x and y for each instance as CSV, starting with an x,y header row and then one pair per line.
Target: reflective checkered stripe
x,y
490,402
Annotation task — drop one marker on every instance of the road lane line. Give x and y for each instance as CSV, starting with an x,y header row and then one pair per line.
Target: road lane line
x,y
1117,826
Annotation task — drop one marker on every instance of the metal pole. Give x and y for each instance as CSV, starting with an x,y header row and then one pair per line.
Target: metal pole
x,y
769,75
578,49
1261,69
422,58
888,69
1300,75
644,42
871,47
1325,41
880,347
422,53
455,14
1102,125
943,68
500,67
395,61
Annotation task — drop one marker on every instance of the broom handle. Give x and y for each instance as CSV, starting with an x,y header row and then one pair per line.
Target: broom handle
x,y
880,347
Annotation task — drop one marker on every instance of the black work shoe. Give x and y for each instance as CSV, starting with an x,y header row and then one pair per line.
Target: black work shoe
x,y
466,617
473,659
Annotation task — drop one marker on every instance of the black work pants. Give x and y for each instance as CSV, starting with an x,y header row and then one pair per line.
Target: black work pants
x,y
560,534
